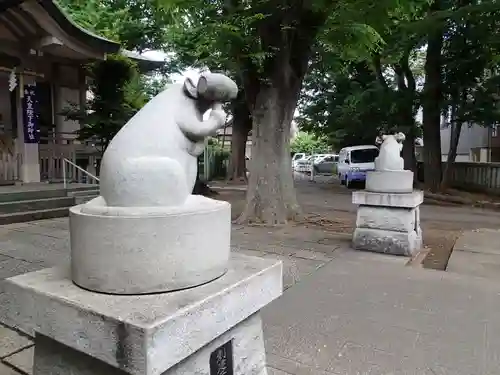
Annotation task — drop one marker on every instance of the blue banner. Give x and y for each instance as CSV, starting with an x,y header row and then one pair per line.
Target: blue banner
x,y
30,115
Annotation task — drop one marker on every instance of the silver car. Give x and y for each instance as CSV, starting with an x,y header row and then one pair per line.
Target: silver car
x,y
326,164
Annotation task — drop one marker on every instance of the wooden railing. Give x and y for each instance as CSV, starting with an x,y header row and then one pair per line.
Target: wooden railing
x,y
482,177
10,167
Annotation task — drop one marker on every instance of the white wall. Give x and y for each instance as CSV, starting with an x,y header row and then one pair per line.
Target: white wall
x,y
470,137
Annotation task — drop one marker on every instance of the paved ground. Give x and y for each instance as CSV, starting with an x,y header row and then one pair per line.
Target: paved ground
x,y
477,253
343,312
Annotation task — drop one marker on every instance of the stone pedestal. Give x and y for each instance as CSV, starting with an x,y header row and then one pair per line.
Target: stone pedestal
x,y
388,222
140,250
389,181
211,329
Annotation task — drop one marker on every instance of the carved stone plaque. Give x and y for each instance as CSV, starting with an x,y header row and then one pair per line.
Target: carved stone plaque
x,y
221,360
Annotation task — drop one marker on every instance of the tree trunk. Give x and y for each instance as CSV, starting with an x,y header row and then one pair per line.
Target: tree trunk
x,y
431,103
271,196
456,129
201,188
237,165
409,152
242,123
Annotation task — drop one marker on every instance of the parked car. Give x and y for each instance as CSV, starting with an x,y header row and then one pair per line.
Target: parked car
x,y
304,165
296,157
354,162
326,164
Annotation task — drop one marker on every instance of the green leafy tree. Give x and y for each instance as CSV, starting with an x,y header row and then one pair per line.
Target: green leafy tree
x,y
346,106
451,51
118,89
111,105
309,143
470,68
137,25
269,44
459,67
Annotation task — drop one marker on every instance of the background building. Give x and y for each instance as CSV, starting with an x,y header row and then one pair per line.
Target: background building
x,y
42,54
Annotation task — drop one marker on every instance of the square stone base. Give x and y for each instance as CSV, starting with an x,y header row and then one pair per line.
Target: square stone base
x,y
387,241
246,355
388,218
406,200
170,333
388,223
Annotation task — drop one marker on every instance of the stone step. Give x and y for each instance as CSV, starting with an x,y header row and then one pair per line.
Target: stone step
x,y
80,199
84,193
32,195
43,202
78,189
36,204
21,217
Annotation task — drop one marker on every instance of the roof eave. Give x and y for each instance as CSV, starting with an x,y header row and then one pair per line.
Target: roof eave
x,y
144,63
76,31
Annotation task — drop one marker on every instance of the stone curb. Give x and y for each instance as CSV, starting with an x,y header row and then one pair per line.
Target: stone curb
x,y
441,199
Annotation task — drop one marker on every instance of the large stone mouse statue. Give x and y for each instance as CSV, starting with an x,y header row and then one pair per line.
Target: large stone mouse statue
x,y
152,161
389,158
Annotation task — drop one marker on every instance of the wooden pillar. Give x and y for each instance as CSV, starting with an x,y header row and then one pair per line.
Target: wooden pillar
x,y
55,89
82,87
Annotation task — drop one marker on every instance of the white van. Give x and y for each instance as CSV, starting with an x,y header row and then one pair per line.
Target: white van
x,y
354,162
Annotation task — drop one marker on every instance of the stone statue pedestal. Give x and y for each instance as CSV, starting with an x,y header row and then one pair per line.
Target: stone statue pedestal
x,y
389,181
140,250
152,289
201,330
388,222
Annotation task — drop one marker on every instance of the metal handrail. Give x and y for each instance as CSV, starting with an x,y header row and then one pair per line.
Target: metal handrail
x,y
77,167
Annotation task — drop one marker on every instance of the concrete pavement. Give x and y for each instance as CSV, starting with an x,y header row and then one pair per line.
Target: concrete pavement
x,y
363,314
343,312
477,253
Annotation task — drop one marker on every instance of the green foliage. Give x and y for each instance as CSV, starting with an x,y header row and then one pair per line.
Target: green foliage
x,y
119,91
353,103
471,63
309,143
250,38
111,105
137,25
216,147
153,85
349,107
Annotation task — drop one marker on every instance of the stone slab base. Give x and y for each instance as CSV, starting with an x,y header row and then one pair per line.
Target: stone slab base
x,y
388,218
241,348
407,200
386,241
389,181
168,333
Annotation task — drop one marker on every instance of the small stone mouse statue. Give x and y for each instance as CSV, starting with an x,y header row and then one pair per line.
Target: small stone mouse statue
x,y
152,161
389,158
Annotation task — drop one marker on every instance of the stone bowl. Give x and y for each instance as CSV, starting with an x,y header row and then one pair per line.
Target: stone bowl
x,y
143,250
389,181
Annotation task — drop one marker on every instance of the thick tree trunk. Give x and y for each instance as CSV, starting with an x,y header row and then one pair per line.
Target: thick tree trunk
x,y
432,108
271,196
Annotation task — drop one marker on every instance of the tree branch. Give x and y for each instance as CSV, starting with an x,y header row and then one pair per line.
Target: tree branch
x,y
405,66
377,64
400,77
